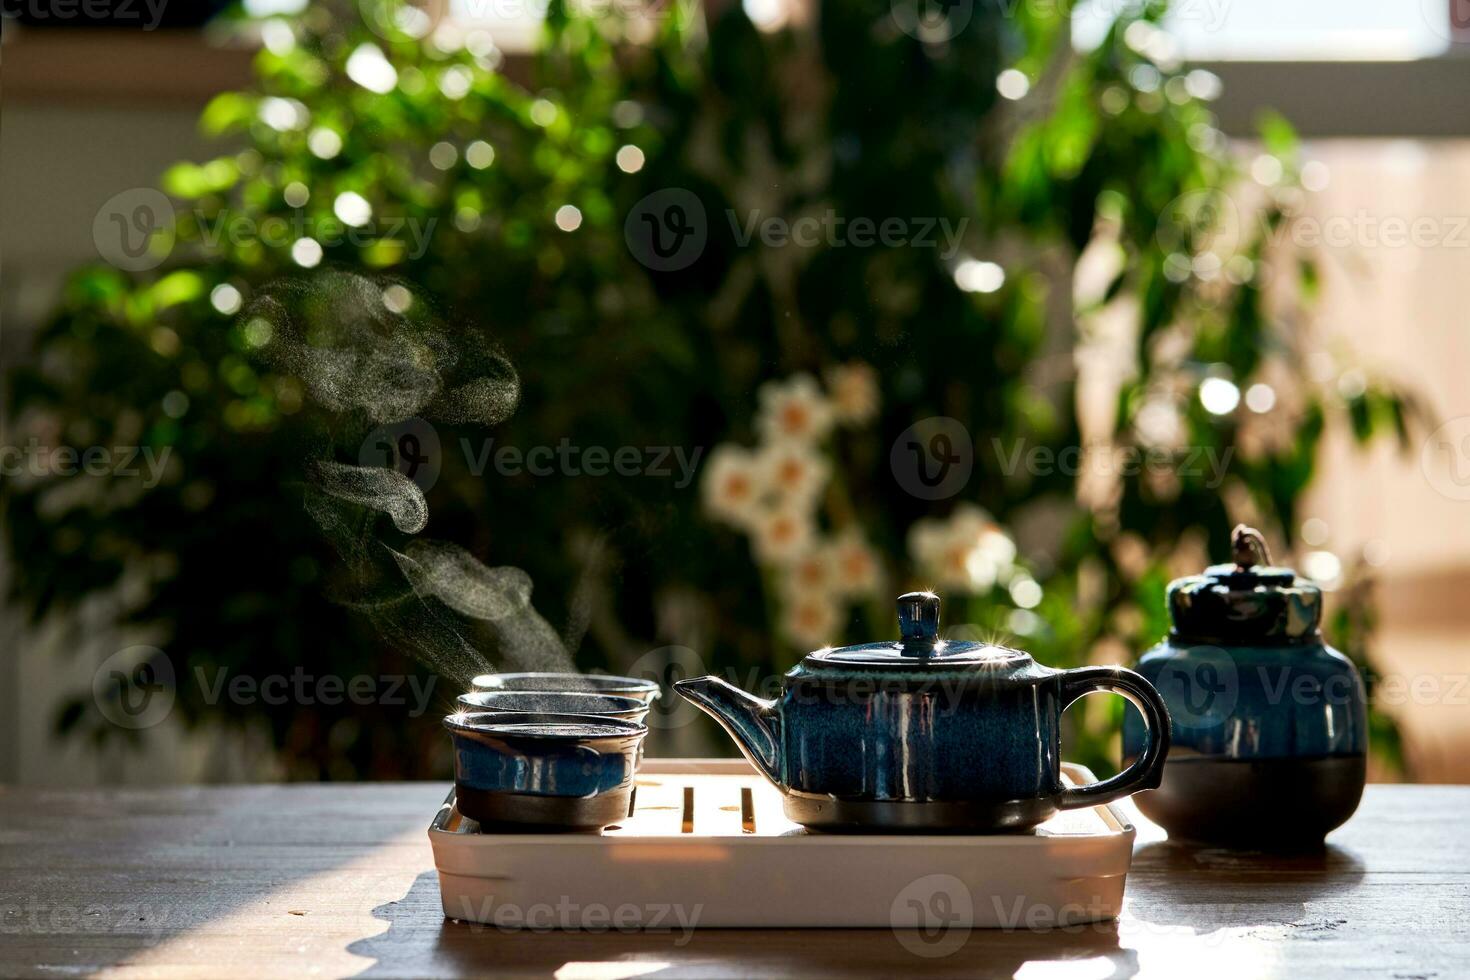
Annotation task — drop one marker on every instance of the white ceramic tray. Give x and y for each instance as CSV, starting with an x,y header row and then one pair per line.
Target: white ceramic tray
x,y
707,844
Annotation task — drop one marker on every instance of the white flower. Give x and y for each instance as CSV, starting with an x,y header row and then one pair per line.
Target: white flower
x,y
782,535
968,551
811,620
793,410
854,565
793,474
731,485
812,573
854,390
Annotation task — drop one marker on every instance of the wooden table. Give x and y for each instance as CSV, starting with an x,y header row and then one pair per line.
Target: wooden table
x,y
268,881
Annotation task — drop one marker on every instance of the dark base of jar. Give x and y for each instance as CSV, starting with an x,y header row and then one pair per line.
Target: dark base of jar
x,y
914,817
1265,804
523,811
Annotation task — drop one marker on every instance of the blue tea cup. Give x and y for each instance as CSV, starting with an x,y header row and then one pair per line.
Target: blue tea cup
x,y
537,769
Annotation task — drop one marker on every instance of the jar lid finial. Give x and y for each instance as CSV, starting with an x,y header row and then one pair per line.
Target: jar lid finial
x,y
1249,547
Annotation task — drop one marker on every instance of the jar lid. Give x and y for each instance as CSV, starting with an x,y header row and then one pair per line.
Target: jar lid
x,y
1247,601
919,646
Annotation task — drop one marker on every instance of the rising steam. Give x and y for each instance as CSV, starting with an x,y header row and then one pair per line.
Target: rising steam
x,y
372,353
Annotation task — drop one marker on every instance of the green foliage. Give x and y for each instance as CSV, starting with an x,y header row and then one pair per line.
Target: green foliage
x,y
847,114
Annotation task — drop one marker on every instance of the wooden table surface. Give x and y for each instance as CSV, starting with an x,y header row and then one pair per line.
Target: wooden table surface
x,y
338,880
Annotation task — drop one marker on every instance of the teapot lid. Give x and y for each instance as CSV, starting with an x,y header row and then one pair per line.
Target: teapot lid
x,y
919,646
1247,601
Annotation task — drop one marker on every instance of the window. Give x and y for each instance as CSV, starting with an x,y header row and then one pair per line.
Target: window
x,y
1296,30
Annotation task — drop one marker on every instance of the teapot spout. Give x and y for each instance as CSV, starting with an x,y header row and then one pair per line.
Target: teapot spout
x,y
754,724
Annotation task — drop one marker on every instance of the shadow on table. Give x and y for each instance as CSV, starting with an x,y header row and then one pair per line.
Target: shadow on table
x,y
419,941
1212,888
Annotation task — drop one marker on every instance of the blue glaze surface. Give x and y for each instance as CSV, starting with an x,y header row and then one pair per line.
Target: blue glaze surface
x,y
954,738
569,756
1282,701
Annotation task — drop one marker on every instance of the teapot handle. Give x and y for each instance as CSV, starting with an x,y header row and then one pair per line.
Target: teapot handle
x,y
1147,771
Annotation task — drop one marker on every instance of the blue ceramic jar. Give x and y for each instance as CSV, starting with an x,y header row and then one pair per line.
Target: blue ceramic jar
x,y
925,734
1270,727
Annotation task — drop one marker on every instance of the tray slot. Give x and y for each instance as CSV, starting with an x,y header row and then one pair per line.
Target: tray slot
x,y
658,810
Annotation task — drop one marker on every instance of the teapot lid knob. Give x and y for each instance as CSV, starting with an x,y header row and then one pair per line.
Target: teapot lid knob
x,y
918,617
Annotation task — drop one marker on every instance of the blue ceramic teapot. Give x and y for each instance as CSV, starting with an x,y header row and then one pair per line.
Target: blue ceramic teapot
x,y
925,734
1270,733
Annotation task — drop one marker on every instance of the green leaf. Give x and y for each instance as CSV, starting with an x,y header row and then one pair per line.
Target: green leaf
x,y
226,112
